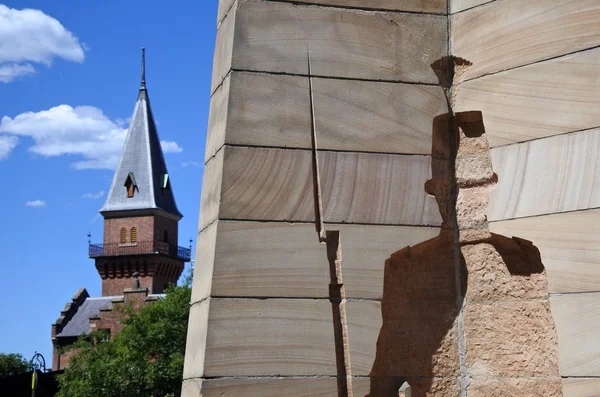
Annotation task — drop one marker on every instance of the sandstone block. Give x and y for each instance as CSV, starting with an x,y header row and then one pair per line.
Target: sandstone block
x,y
581,387
270,387
223,49
210,201
254,337
510,33
265,259
432,6
546,176
274,37
536,101
494,347
577,317
277,184
461,5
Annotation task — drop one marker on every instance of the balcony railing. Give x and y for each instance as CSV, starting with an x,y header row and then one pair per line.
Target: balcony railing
x,y
141,247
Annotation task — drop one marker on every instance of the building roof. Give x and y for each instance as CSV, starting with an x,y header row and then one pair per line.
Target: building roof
x,y
142,162
79,324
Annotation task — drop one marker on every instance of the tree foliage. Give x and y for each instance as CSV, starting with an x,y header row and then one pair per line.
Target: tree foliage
x,y
145,359
12,364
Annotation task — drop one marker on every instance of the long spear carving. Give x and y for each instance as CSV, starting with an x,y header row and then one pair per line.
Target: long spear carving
x,y
337,294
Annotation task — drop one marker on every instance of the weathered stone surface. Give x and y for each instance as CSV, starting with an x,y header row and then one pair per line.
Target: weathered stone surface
x,y
285,260
539,100
568,244
461,5
510,387
270,387
432,6
581,387
510,339
577,318
392,46
277,184
502,269
254,337
511,33
555,174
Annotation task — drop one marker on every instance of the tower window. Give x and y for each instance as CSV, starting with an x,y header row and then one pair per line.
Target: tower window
x,y
130,184
123,235
165,184
133,234
166,235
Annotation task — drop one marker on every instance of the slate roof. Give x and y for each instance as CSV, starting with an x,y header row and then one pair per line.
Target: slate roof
x,y
80,322
143,156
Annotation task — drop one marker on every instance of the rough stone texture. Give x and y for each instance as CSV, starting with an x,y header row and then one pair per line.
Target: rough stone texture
x,y
568,244
211,191
511,33
577,319
546,176
544,99
273,37
502,269
510,339
433,6
516,387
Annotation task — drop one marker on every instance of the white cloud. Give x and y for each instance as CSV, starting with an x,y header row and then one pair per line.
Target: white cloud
x,y
11,71
7,144
170,147
197,164
94,196
80,131
36,203
30,36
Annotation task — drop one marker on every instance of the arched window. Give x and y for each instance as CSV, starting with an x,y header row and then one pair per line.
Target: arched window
x,y
133,234
166,237
123,235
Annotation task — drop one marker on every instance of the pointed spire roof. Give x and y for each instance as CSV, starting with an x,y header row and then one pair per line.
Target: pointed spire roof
x,y
141,180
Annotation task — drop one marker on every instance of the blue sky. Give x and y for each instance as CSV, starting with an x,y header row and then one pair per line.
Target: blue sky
x,y
69,75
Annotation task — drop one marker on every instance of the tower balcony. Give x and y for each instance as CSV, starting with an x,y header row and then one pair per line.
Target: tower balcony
x,y
140,247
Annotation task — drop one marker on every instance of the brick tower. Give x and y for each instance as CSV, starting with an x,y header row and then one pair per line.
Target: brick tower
x,y
140,214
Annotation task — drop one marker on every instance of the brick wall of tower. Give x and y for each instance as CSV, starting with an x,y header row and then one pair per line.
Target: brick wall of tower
x,y
143,224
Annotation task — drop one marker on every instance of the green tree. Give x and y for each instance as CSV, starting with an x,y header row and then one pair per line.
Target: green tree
x,y
144,360
12,364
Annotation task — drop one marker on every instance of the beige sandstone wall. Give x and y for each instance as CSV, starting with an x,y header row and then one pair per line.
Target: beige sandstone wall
x,y
261,321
